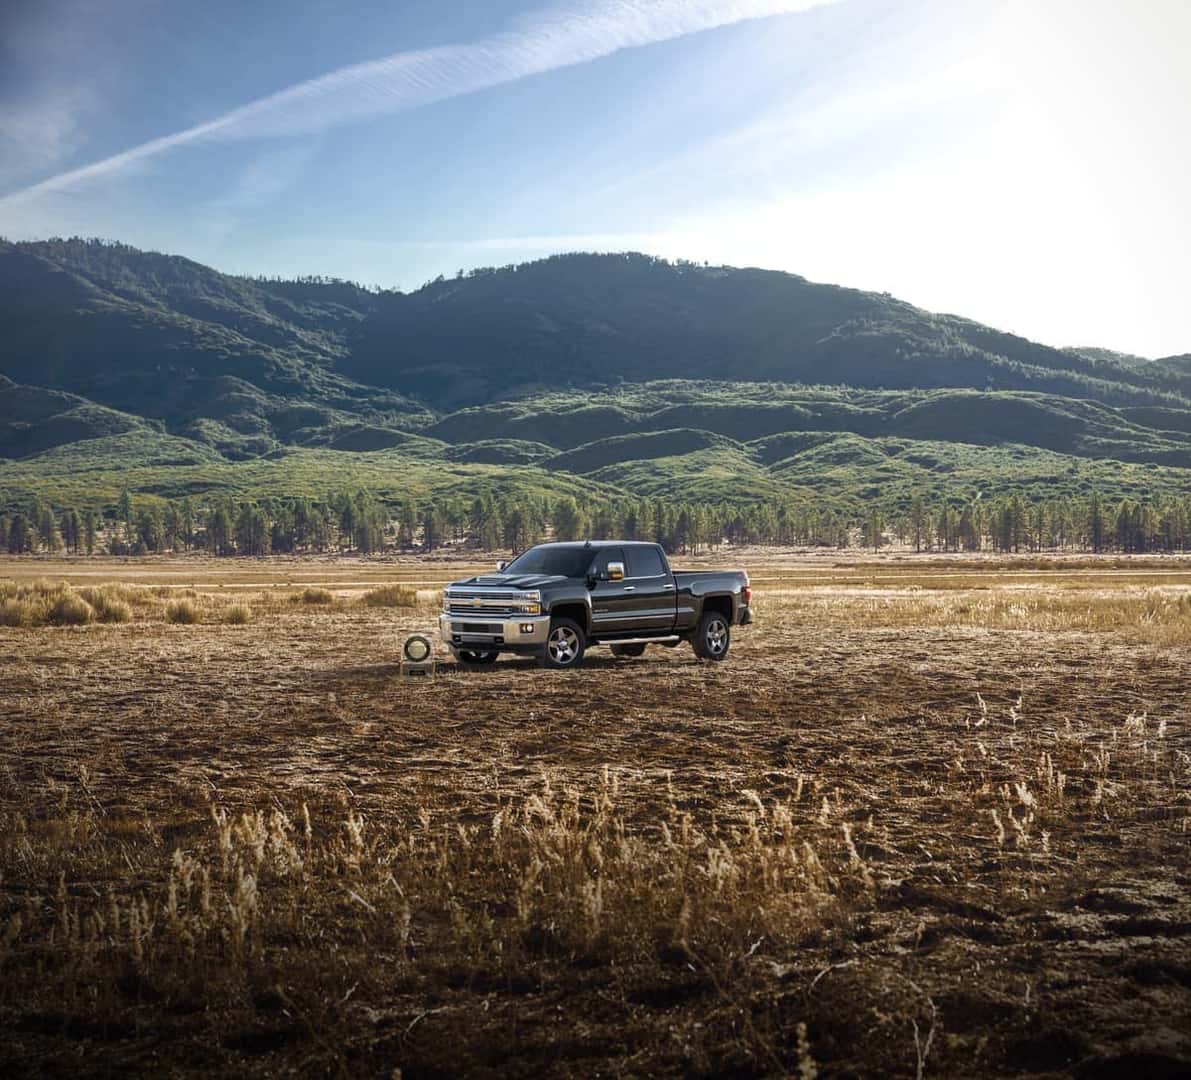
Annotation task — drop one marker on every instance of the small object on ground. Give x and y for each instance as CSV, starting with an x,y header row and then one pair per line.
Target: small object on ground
x,y
418,669
417,648
418,663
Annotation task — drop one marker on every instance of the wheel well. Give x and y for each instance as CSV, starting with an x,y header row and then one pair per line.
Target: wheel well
x,y
720,604
574,612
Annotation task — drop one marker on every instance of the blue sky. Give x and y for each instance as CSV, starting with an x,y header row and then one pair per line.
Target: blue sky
x,y
1022,162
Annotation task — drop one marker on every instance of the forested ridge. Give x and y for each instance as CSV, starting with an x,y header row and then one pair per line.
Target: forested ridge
x,y
356,522
605,380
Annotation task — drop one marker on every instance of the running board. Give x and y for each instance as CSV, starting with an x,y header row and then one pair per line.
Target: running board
x,y
638,640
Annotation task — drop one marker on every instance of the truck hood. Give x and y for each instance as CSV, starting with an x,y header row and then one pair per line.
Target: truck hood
x,y
510,581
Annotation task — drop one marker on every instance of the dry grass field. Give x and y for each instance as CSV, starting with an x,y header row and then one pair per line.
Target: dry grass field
x,y
932,818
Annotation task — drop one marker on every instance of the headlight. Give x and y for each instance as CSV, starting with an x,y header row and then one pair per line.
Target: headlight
x,y
529,608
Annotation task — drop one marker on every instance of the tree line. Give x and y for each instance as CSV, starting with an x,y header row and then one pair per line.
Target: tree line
x,y
356,521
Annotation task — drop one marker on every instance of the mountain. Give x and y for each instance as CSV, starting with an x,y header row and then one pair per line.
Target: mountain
x,y
576,372
1107,356
219,359
579,320
1176,365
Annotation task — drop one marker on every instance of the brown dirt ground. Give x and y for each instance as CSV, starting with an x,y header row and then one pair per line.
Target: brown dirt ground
x,y
1069,955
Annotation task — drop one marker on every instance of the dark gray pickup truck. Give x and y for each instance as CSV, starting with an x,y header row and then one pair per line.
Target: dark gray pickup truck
x,y
556,600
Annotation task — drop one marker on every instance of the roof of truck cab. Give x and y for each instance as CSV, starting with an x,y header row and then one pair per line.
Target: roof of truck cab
x,y
597,543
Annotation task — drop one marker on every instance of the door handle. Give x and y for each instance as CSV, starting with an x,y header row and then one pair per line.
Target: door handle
x,y
630,588
667,586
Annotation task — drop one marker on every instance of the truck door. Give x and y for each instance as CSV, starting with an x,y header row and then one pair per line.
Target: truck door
x,y
613,606
652,588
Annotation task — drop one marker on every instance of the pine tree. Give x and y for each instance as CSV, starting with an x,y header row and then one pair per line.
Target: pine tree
x,y
407,524
917,520
71,526
150,530
125,512
219,531
172,526
491,533
873,529
186,531
570,523
1097,525
48,537
432,528
20,535
252,530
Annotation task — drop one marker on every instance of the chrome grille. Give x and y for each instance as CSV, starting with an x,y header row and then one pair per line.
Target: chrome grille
x,y
482,602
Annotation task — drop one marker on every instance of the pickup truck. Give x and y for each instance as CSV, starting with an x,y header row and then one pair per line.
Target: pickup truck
x,y
555,601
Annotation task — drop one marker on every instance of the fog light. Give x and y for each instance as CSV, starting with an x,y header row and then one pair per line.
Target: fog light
x,y
527,628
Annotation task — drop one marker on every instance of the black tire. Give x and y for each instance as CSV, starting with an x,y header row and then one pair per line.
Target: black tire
x,y
474,656
628,650
713,636
564,646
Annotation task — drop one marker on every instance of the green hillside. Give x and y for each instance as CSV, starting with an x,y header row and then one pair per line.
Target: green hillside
x,y
581,374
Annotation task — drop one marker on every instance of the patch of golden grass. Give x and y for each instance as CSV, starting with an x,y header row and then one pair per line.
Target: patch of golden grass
x,y
1159,616
184,611
314,595
403,596
42,603
110,602
237,615
69,610
16,612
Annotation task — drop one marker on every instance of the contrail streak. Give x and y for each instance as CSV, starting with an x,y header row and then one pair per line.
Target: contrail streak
x,y
406,80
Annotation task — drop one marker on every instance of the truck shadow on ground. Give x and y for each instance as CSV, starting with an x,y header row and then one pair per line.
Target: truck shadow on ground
x,y
453,669
529,663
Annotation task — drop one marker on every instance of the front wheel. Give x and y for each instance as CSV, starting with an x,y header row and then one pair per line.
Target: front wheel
x,y
712,637
564,646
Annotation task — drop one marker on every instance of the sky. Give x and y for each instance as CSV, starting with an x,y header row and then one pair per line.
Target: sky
x,y
1020,162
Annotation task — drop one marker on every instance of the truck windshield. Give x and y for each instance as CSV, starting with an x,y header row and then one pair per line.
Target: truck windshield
x,y
566,561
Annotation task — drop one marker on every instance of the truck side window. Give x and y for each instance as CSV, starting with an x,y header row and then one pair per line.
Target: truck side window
x,y
600,567
644,562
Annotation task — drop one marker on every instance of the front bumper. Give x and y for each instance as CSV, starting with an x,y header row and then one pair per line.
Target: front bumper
x,y
507,632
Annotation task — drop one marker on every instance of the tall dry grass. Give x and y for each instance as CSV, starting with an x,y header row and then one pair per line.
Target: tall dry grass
x,y
1158,616
398,596
643,890
183,611
314,596
237,615
42,603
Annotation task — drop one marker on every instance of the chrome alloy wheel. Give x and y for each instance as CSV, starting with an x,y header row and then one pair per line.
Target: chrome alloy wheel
x,y
563,645
716,636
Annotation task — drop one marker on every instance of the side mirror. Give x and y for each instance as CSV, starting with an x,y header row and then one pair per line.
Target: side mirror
x,y
501,565
616,571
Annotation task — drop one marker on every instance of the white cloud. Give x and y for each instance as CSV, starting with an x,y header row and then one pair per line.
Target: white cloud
x,y
39,134
404,80
268,175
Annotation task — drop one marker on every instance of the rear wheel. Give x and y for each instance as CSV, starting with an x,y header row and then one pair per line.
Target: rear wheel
x,y
564,646
712,637
628,650
474,656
